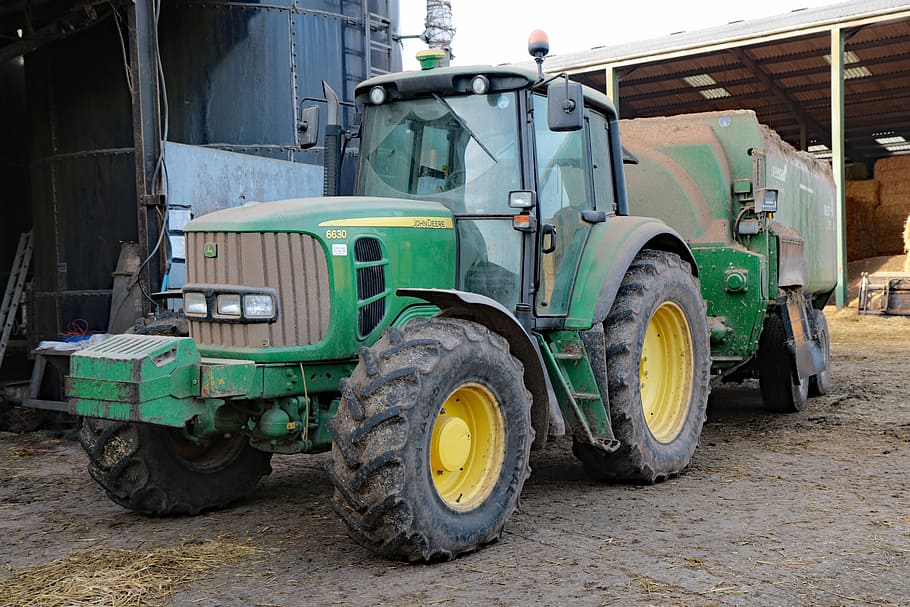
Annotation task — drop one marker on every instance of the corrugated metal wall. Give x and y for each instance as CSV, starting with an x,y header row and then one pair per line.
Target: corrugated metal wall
x,y
14,192
82,176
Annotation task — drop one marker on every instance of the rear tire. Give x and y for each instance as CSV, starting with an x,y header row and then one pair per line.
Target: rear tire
x,y
819,384
775,371
431,441
157,471
658,372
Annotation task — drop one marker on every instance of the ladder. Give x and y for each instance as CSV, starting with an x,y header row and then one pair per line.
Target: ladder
x,y
371,47
12,297
378,38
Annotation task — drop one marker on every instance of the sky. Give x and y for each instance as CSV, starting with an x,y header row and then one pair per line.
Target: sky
x,y
496,31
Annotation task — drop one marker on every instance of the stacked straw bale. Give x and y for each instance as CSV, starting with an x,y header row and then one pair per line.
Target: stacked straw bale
x,y
862,200
893,174
878,211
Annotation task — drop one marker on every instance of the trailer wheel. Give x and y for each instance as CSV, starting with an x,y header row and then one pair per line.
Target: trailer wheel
x,y
819,384
658,371
431,441
775,376
157,471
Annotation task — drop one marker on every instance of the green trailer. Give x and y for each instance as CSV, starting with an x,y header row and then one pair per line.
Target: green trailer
x,y
759,217
485,288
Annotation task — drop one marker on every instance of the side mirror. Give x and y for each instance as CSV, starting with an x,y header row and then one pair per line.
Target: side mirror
x,y
308,127
566,107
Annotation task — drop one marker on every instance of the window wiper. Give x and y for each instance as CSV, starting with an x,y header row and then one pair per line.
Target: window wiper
x,y
464,125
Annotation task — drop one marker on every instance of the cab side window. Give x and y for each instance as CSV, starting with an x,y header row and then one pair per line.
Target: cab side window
x,y
561,167
604,196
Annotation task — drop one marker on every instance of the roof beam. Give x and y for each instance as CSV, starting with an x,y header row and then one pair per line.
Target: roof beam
x,y
822,86
744,57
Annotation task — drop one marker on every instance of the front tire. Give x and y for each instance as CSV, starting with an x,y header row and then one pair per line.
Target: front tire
x,y
156,470
658,371
431,441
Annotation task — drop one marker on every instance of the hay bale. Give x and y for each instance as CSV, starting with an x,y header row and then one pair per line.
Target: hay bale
x,y
856,170
886,167
865,190
889,225
890,214
862,198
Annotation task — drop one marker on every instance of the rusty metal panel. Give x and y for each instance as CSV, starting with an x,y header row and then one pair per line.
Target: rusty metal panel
x,y
292,264
793,266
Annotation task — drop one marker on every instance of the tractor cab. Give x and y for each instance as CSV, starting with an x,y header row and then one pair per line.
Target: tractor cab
x,y
478,140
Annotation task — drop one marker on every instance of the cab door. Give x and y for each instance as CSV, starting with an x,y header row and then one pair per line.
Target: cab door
x,y
572,176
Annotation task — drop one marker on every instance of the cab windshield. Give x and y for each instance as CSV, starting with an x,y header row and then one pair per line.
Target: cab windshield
x,y
460,151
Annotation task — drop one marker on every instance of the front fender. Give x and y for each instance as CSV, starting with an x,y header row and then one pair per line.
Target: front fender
x,y
610,250
491,314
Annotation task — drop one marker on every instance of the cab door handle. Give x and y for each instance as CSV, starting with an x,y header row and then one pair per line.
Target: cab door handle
x,y
548,229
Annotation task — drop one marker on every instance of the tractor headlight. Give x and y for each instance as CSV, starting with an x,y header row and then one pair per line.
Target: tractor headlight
x,y
194,304
258,306
480,84
377,95
228,304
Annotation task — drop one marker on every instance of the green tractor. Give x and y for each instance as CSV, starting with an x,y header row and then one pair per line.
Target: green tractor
x,y
486,287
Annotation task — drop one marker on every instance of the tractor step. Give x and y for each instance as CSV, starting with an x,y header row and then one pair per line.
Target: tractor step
x,y
586,396
568,355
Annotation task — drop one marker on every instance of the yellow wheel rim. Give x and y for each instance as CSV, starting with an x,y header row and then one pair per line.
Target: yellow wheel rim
x,y
467,447
666,372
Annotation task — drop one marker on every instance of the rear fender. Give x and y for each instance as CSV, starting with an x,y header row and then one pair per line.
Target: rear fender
x,y
611,248
491,314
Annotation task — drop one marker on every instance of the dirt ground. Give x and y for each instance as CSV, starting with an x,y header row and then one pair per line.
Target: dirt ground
x,y
803,509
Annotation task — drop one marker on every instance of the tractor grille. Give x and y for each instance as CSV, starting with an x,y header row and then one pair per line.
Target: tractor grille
x,y
370,283
292,264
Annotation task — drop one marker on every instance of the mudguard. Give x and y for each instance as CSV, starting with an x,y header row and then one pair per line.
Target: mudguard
x,y
610,250
545,413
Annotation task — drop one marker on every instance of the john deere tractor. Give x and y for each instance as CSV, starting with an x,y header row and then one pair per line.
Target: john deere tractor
x,y
486,287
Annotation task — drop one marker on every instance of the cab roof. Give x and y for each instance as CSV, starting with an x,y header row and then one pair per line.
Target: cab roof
x,y
457,81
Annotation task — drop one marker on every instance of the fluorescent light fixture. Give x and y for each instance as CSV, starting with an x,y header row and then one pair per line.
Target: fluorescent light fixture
x,y
820,151
857,71
890,140
718,93
699,81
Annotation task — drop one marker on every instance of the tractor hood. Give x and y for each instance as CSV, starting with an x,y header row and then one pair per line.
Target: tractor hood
x,y
319,214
